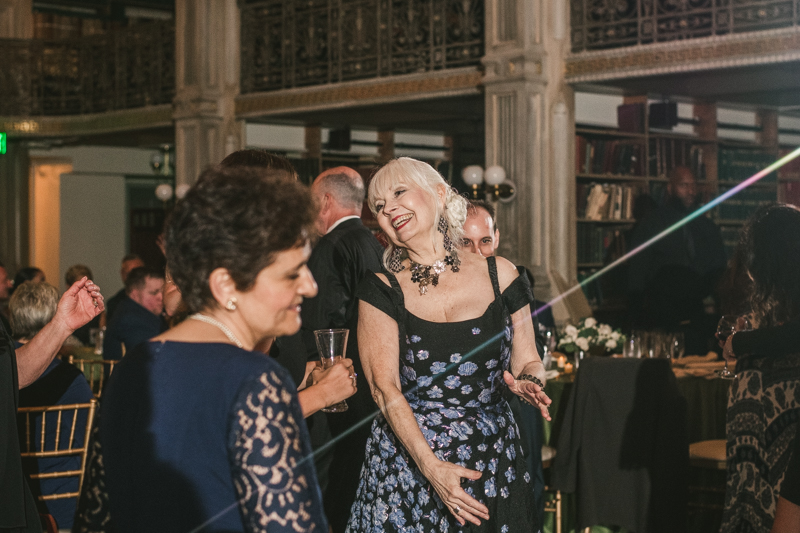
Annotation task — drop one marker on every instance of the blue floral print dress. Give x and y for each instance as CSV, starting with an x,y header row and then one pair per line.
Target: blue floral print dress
x,y
452,376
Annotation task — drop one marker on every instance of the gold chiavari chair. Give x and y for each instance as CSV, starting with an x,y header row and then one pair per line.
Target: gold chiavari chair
x,y
552,504
96,372
39,442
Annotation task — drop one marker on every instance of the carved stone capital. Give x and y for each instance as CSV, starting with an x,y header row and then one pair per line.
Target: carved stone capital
x,y
514,65
196,108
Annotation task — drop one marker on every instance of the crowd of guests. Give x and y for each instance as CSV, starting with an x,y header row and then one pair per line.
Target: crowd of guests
x,y
212,418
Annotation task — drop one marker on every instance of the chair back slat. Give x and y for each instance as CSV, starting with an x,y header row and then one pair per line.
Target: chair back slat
x,y
58,428
95,371
55,449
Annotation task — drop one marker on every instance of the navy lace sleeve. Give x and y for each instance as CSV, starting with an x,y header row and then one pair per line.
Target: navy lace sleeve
x,y
518,294
271,460
379,295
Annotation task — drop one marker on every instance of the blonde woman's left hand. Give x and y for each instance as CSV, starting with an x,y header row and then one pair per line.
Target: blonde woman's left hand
x,y
529,392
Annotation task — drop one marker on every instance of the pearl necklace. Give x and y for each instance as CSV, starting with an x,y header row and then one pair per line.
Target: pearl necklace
x,y
214,322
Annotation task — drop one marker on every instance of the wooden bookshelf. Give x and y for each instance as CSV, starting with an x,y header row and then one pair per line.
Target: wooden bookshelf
x,y
718,164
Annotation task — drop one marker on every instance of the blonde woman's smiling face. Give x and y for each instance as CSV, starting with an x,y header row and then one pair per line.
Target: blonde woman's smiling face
x,y
404,211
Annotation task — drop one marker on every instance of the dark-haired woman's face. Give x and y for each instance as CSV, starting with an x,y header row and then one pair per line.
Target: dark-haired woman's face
x,y
272,307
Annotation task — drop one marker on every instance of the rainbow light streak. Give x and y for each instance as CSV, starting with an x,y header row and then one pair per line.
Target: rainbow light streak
x,y
700,211
710,205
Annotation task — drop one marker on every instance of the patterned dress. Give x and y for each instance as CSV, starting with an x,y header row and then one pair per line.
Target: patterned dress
x,y
763,415
452,376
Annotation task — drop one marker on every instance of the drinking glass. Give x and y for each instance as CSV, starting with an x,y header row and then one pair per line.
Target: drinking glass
x,y
99,336
580,355
677,345
633,346
728,325
331,345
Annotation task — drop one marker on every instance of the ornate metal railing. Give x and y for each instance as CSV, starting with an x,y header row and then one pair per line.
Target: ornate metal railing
x,y
288,43
598,24
128,68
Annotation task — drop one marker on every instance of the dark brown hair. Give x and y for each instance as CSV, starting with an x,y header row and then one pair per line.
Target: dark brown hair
x,y
771,243
259,159
236,218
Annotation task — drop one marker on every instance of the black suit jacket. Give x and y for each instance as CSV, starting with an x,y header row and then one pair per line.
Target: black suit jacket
x,y
132,325
339,262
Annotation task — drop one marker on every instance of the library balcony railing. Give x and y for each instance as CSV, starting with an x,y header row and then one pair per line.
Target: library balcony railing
x,y
128,68
602,24
288,43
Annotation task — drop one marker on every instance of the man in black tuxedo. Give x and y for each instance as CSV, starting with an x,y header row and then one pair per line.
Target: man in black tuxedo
x,y
138,317
340,260
129,262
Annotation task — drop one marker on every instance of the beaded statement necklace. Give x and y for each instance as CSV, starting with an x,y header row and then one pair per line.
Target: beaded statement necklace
x,y
428,275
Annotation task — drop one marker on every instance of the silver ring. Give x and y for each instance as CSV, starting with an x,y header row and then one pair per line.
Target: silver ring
x,y
458,509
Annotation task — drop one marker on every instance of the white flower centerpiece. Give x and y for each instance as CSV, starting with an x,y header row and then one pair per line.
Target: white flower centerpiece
x,y
591,337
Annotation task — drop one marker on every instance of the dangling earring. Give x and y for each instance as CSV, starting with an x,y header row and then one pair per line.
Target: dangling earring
x,y
396,261
442,227
231,304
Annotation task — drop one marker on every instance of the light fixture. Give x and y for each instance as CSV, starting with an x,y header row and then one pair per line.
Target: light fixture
x,y
494,183
164,192
162,162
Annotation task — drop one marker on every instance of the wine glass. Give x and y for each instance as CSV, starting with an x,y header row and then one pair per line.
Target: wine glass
x,y
331,344
677,345
728,325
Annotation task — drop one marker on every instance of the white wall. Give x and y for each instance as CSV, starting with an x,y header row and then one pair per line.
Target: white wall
x,y
106,159
93,226
93,216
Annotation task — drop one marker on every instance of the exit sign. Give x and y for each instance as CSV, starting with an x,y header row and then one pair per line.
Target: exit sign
x,y
3,136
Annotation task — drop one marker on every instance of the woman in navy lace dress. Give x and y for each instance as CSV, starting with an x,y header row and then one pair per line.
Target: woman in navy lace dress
x,y
441,337
198,431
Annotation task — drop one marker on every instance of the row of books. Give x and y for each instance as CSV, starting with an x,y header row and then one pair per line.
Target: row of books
x,y
603,156
596,201
744,203
730,238
598,244
666,154
734,164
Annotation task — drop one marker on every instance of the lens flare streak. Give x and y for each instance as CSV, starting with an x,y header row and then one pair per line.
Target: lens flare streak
x,y
699,212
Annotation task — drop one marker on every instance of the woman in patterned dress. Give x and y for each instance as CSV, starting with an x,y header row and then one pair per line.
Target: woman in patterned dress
x,y
441,337
764,398
199,431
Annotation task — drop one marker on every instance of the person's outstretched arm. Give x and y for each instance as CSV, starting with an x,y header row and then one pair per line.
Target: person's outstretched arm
x,y
80,304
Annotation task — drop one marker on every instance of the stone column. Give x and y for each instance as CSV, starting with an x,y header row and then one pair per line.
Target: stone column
x,y
16,19
530,133
386,148
207,82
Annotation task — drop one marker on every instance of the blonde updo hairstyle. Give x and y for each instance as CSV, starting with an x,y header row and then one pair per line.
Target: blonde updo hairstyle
x,y
424,176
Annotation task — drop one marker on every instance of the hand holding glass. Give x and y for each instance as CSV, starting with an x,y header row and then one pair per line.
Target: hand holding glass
x,y
331,345
728,325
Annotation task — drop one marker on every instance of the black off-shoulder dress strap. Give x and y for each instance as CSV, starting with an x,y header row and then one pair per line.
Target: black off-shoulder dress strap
x,y
518,294
384,298
492,264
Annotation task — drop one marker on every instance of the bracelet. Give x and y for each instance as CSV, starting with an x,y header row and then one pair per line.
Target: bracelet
x,y
531,378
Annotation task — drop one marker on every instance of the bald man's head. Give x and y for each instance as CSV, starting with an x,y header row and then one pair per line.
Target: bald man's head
x,y
683,186
339,192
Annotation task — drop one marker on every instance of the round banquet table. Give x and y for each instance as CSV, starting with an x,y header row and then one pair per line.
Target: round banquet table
x,y
707,400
